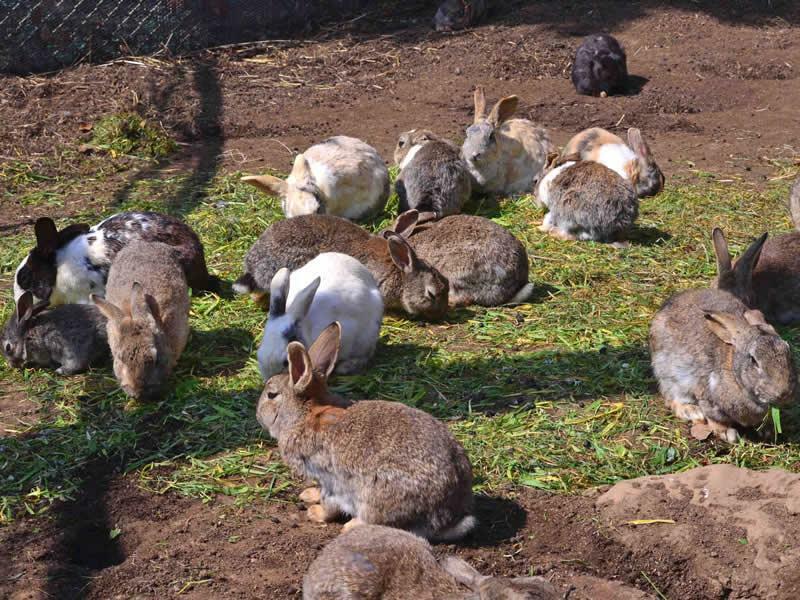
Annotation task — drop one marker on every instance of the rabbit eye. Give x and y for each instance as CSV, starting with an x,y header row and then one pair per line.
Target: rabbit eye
x,y
285,362
8,348
272,395
753,361
401,143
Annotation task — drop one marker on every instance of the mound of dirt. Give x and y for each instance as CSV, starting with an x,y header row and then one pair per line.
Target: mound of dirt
x,y
733,533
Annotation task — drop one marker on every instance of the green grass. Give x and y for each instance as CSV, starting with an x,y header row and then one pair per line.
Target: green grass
x,y
130,134
556,395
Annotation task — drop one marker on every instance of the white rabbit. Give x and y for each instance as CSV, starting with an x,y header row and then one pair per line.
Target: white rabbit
x,y
332,287
341,176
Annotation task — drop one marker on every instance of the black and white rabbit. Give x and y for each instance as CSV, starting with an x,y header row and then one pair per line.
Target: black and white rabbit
x,y
66,266
600,67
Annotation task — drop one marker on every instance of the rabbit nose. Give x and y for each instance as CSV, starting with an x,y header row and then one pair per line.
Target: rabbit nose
x,y
476,155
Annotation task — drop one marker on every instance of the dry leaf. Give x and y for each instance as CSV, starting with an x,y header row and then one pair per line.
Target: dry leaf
x,y
700,431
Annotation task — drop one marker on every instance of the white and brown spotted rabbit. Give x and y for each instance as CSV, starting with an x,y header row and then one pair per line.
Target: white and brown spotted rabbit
x,y
378,462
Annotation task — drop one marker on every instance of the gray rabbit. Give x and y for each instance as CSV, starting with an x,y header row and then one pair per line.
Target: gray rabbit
x,y
433,177
70,337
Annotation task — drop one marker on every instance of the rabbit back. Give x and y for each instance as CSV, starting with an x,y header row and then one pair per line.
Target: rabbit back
x,y
351,176
524,148
591,202
434,179
484,263
776,279
453,15
600,65
389,464
372,561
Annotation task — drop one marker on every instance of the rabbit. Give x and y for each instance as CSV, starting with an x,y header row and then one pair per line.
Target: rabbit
x,y
433,178
70,337
375,562
504,156
147,307
632,161
718,362
68,265
587,201
453,15
406,282
331,287
383,463
341,176
483,262
600,67
794,203
766,276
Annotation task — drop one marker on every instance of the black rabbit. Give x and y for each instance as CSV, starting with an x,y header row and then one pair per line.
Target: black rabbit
x,y
600,67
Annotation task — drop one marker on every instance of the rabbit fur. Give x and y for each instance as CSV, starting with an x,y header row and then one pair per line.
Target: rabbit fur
x,y
406,281
66,266
632,161
340,176
600,66
69,337
330,288
376,562
379,462
433,178
147,307
505,156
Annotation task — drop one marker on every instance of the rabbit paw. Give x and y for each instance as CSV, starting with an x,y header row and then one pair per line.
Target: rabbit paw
x,y
687,412
560,234
724,432
261,299
311,495
352,523
319,513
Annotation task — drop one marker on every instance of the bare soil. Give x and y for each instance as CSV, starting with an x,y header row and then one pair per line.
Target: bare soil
x,y
711,89
714,89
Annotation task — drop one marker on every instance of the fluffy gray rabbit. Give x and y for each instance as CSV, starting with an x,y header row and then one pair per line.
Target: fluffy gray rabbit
x,y
453,15
433,177
70,337
147,307
378,462
406,281
375,562
484,263
718,362
587,201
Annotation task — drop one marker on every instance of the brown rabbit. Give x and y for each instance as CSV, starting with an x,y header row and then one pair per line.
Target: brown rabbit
x,y
147,307
379,462
406,281
484,263
766,276
381,563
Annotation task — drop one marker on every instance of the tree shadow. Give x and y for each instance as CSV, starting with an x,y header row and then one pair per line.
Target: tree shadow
x,y
215,352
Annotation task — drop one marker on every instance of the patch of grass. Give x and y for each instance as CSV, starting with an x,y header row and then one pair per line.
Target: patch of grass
x,y
556,394
130,134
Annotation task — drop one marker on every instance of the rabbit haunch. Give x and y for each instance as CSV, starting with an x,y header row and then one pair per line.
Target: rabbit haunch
x,y
378,462
341,176
68,265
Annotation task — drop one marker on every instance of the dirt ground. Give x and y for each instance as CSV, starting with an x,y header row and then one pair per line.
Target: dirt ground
x,y
715,89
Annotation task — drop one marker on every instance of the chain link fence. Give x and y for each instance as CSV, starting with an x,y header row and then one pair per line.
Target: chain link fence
x,y
43,35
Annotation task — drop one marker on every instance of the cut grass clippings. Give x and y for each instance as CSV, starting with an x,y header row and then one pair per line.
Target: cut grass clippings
x,y
556,394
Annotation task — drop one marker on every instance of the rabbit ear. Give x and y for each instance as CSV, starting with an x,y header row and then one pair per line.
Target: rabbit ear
x,y
402,254
300,168
480,104
109,311
748,261
46,235
637,143
301,303
503,110
24,307
756,318
144,306
721,250
406,222
300,367
272,186
725,326
39,307
278,292
463,572
325,349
